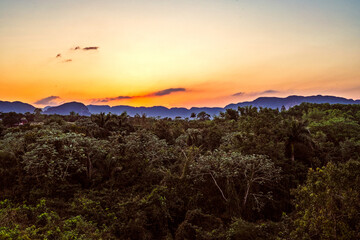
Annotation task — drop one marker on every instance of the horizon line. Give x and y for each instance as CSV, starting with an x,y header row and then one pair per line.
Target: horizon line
x,y
351,99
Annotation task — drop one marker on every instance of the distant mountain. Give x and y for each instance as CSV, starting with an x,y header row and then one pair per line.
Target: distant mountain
x,y
159,111
18,107
152,111
290,101
66,108
268,102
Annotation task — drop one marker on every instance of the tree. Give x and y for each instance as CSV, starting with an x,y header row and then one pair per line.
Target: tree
x,y
248,172
102,119
297,132
192,137
38,116
1,127
9,170
248,111
11,118
231,114
146,146
37,111
73,116
327,205
55,156
202,116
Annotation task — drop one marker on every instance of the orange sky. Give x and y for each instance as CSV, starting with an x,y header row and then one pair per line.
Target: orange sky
x,y
210,49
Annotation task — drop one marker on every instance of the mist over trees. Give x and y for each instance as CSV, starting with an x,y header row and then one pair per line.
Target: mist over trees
x,y
250,173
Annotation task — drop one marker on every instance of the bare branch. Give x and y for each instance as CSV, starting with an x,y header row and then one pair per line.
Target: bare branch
x,y
217,185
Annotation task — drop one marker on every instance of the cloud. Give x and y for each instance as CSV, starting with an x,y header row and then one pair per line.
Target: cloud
x,y
47,100
268,92
90,48
85,48
75,49
109,99
238,94
154,94
167,91
253,94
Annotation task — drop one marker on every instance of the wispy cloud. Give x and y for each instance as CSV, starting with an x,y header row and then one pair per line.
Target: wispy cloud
x,y
238,94
85,48
252,94
47,100
109,99
268,92
167,91
90,48
154,94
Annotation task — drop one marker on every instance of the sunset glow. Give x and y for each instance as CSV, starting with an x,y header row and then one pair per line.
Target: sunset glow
x,y
177,53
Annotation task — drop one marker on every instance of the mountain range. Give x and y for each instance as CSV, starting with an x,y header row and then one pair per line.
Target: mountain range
x,y
159,111
17,106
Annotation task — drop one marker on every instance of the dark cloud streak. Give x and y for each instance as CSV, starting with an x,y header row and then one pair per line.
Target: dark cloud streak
x,y
167,91
109,99
90,48
85,48
268,92
238,94
154,94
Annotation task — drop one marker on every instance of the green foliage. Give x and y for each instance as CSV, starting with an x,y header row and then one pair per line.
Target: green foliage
x,y
240,229
198,225
231,114
328,203
235,175
9,169
56,156
11,119
39,222
119,177
202,116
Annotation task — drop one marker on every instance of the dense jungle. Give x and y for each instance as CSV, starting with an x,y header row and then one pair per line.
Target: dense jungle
x,y
250,173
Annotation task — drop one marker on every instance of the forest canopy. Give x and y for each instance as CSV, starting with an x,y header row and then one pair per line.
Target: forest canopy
x,y
250,173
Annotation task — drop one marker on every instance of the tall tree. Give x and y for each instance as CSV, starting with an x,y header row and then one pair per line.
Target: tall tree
x,y
327,205
297,132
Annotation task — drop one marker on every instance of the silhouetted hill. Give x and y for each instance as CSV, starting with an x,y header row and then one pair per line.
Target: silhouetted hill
x,y
66,108
17,106
290,101
269,102
159,111
151,111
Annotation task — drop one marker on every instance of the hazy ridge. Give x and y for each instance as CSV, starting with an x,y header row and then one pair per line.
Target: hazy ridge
x,y
155,111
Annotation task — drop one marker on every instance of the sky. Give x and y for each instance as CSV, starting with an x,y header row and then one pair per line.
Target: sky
x,y
177,53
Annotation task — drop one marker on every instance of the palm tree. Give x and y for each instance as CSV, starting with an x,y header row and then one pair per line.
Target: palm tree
x,y
102,119
37,111
297,132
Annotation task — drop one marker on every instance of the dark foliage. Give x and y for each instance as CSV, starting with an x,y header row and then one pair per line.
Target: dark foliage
x,y
251,173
